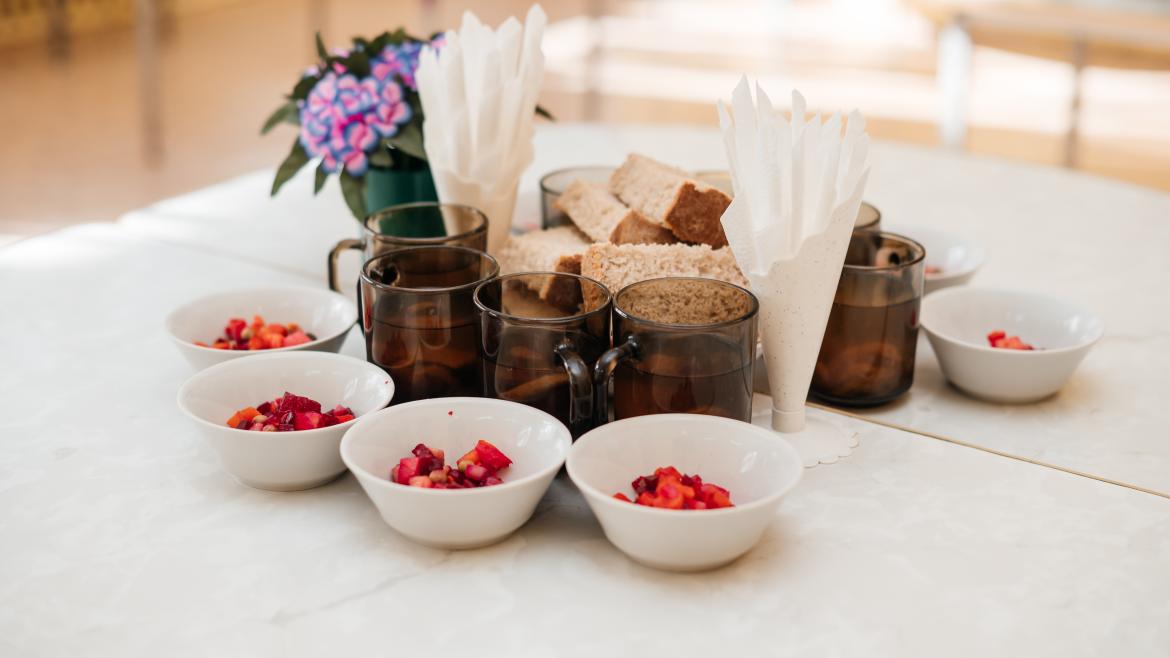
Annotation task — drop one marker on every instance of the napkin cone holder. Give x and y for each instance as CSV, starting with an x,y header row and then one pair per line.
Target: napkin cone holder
x,y
795,300
798,186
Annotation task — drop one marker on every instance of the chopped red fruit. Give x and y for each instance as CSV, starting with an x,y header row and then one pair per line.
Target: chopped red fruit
x,y
239,335
667,488
288,413
242,416
491,457
298,338
478,468
1000,339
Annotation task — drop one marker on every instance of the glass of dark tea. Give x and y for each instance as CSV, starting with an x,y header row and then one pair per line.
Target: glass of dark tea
x,y
681,345
869,218
539,338
553,184
867,355
420,224
419,319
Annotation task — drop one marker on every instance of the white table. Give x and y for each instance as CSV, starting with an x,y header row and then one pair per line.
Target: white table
x,y
1096,241
121,536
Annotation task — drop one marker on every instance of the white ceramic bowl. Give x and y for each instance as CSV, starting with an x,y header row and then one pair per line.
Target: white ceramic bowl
x,y
755,465
323,313
958,320
957,257
282,461
536,442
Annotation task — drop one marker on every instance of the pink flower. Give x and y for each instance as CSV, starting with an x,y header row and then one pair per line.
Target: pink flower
x,y
345,118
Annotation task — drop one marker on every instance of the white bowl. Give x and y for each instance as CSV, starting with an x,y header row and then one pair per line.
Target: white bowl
x,y
282,461
958,320
755,465
323,313
536,442
957,257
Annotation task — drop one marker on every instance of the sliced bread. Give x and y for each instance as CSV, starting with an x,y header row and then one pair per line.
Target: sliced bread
x,y
604,218
670,196
617,266
553,250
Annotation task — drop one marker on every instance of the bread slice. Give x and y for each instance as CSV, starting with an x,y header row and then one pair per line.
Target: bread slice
x,y
617,266
552,250
670,196
601,216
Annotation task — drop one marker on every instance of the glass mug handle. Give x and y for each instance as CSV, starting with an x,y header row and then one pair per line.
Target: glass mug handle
x,y
334,253
580,388
603,371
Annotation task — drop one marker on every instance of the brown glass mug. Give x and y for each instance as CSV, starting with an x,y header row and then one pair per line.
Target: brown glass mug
x,y
541,353
868,352
553,185
421,224
681,345
419,319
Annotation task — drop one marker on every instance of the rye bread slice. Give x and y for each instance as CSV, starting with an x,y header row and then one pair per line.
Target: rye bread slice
x,y
604,218
690,209
617,266
553,250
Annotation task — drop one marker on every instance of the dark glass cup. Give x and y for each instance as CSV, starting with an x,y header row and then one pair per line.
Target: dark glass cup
x,y
681,345
420,322
541,354
867,355
553,184
414,225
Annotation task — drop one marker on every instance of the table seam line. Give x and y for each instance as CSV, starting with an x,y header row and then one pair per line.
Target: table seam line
x,y
992,451
212,251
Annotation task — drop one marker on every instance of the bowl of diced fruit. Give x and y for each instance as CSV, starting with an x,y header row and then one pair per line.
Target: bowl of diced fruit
x,y
228,325
683,492
951,259
1007,346
276,420
456,472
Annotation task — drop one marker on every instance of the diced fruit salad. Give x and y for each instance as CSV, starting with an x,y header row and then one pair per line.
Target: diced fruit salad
x,y
1000,339
288,413
667,488
480,467
239,335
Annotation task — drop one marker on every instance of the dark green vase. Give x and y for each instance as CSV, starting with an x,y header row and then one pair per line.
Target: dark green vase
x,y
391,187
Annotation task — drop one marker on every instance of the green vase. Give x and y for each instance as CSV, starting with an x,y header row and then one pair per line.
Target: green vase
x,y
391,187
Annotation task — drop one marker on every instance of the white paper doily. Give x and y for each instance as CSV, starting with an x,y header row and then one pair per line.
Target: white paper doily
x,y
822,441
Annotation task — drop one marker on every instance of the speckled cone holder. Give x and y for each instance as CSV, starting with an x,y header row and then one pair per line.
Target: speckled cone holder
x,y
795,299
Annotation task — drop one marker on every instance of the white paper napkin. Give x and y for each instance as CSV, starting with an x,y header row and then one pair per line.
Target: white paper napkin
x,y
479,96
798,186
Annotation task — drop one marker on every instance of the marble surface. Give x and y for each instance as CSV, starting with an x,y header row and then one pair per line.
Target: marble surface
x,y
120,535
1099,242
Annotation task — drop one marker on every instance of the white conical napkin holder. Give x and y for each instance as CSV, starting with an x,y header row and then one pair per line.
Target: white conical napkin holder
x,y
798,187
479,95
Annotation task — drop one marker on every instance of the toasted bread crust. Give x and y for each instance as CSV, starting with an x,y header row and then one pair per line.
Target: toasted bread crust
x,y
604,218
554,250
668,196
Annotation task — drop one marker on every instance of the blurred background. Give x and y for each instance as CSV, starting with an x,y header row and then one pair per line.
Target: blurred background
x,y
110,105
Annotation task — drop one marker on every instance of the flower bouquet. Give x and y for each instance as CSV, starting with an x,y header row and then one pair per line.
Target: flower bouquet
x,y
359,114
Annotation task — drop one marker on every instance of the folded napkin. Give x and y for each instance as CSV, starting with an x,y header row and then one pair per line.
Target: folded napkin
x,y
798,186
478,95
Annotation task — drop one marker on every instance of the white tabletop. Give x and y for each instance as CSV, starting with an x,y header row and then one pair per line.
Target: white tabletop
x,y
122,536
1099,242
